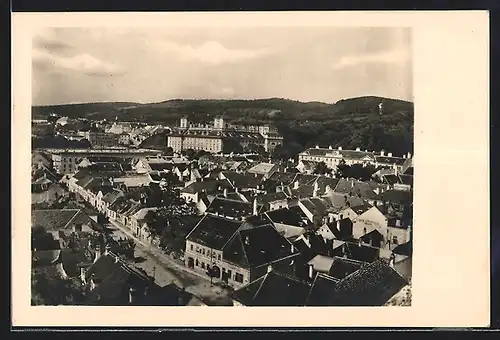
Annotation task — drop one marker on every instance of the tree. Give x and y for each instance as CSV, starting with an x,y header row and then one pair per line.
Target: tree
x,y
321,169
42,240
212,273
231,145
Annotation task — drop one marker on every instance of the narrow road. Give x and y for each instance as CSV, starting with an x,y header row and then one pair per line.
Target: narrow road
x,y
166,270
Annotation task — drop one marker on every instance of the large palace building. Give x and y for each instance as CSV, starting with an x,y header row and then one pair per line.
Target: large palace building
x,y
211,137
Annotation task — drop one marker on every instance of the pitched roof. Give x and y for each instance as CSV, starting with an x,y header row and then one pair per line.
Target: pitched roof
x,y
213,231
395,196
322,287
316,206
342,267
354,187
141,214
208,186
257,246
321,263
286,216
240,180
273,289
230,208
339,201
262,168
59,219
372,285
271,197
390,160
404,249
112,196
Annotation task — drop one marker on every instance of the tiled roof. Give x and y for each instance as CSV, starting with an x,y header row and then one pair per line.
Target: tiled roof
x,y
271,197
112,196
355,188
240,180
339,201
390,160
395,196
230,208
273,289
208,186
134,181
358,252
58,219
161,166
72,258
257,246
342,267
262,168
321,263
316,206
322,288
286,216
406,179
372,285
404,249
141,214
213,231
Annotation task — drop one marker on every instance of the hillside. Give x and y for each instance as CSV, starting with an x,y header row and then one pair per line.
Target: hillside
x,y
352,122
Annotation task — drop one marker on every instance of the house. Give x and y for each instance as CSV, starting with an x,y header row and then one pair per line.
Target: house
x,y
263,169
315,209
392,231
107,200
229,208
354,251
335,267
365,190
290,223
340,229
138,224
306,167
134,181
53,193
272,289
273,200
243,181
40,159
371,285
63,222
210,187
147,164
239,252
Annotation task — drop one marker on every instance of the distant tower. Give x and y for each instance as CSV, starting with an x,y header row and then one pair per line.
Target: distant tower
x,y
380,108
184,123
219,123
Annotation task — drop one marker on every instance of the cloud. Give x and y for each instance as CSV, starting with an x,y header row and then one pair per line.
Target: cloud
x,y
210,52
81,62
394,56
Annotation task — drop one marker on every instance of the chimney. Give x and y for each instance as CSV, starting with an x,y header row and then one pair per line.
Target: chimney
x,y
236,190
269,268
317,146
311,271
292,248
131,295
225,192
408,155
358,149
255,207
382,153
352,184
296,184
106,250
83,271
338,224
330,147
247,241
360,242
92,284
392,260
117,259
340,148
389,154
316,189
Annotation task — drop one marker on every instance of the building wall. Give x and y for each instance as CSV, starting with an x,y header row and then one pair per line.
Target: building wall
x,y
278,204
202,256
371,219
103,139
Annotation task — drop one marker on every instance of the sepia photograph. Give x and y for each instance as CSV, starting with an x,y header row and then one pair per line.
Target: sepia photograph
x,y
177,166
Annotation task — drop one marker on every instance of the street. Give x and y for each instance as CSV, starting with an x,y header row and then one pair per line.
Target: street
x,y
166,270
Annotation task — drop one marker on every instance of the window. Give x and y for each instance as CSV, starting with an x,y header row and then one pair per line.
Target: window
x,y
203,265
395,239
192,247
219,257
238,277
203,251
197,263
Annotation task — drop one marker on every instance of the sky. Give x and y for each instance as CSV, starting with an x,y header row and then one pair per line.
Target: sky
x,y
79,65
